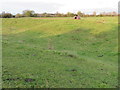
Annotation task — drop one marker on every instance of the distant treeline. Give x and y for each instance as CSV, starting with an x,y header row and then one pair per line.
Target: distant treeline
x,y
31,13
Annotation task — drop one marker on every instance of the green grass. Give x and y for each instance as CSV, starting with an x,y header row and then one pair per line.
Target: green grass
x,y
60,53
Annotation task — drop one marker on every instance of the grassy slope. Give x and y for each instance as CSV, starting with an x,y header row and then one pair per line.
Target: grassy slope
x,y
60,53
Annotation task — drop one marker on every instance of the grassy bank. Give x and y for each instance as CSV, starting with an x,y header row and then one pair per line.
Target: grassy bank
x,y
60,53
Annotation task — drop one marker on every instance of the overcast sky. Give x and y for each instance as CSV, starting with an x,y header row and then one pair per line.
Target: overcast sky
x,y
62,6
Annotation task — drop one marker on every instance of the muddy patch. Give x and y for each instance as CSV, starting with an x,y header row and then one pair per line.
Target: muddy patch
x,y
72,56
29,80
11,79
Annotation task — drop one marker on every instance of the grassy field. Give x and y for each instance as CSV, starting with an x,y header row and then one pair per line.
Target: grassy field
x,y
60,53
